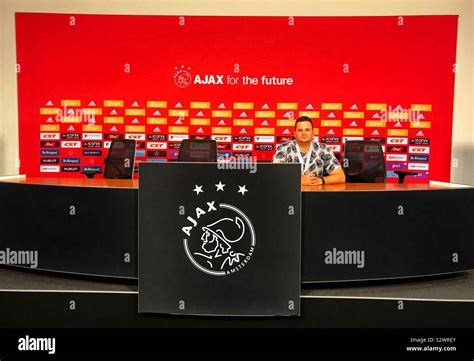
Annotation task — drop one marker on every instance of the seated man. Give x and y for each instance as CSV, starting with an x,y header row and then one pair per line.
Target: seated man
x,y
314,157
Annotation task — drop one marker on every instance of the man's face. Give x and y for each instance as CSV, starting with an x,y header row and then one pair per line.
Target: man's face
x,y
304,132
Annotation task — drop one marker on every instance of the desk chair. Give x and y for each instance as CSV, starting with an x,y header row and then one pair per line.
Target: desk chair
x,y
120,160
366,163
197,150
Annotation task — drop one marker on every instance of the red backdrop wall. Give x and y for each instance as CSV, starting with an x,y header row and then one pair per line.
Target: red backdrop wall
x,y
84,80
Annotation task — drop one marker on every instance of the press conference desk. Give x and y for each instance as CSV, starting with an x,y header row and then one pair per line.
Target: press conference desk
x,y
349,231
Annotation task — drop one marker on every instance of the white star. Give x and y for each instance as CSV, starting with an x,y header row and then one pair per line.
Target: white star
x,y
198,189
220,186
242,190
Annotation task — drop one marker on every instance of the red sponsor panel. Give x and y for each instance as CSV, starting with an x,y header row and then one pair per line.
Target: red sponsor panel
x,y
166,89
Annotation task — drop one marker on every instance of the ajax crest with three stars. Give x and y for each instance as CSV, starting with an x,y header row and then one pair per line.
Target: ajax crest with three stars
x,y
218,238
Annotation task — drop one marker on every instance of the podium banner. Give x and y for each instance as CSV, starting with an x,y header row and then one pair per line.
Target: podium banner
x,y
219,241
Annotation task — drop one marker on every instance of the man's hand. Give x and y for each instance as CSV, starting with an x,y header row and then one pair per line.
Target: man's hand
x,y
309,179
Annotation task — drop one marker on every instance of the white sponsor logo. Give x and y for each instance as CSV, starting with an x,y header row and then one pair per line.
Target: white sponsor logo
x,y
222,138
221,106
222,122
69,144
243,115
397,157
178,137
397,140
354,107
265,106
418,166
309,107
49,136
107,144
242,147
419,150
376,116
92,136
264,139
345,139
135,136
156,145
330,131
49,168
331,115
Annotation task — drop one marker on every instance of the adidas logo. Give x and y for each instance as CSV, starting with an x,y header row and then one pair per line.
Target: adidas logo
x,y
200,130
178,105
113,129
354,107
264,123
71,129
49,103
420,134
398,107
288,115
113,112
243,115
243,131
353,124
91,121
135,104
309,107
200,114
157,130
331,115
92,104
420,116
375,132
157,112
376,116
70,112
178,121
265,106
330,131
286,131
49,120
222,122
398,125
221,106
135,121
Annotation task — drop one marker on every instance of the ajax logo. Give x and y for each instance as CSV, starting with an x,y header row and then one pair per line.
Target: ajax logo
x,y
220,239
182,77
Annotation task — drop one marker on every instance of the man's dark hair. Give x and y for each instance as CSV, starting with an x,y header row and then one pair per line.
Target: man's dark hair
x,y
304,119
